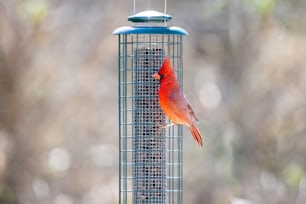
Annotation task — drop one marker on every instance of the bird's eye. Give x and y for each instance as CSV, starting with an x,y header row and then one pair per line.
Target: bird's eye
x,y
161,76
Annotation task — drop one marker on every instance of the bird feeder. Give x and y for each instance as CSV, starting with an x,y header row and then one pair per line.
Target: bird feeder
x,y
150,154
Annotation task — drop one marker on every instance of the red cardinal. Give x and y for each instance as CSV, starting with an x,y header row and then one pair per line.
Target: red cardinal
x,y
173,101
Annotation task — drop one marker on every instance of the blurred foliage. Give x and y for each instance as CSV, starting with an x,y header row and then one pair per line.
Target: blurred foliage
x,y
293,174
6,195
244,73
35,10
264,7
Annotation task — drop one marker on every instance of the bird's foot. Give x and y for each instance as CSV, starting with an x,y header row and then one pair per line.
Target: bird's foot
x,y
167,125
162,127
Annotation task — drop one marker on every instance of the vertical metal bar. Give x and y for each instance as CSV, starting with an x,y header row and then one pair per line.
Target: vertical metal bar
x,y
133,59
172,128
125,105
119,115
180,128
164,153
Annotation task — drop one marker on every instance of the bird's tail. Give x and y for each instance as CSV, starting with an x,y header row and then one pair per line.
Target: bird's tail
x,y
196,134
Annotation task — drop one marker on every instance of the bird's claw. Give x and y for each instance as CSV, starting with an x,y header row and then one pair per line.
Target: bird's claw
x,y
168,125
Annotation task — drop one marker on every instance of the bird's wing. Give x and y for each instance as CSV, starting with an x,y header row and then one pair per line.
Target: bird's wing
x,y
191,112
181,107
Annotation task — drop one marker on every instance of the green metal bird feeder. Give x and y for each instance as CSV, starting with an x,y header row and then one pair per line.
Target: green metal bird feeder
x,y
150,154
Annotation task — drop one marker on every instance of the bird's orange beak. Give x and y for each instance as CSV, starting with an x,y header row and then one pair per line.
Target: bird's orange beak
x,y
156,76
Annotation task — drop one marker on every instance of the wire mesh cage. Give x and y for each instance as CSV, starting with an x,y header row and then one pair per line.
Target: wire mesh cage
x,y
150,155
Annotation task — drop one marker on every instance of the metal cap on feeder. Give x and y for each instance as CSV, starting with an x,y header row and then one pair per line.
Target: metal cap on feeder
x,y
150,156
149,16
150,22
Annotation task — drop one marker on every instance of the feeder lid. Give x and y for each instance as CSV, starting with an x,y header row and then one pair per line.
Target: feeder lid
x,y
146,22
149,16
150,30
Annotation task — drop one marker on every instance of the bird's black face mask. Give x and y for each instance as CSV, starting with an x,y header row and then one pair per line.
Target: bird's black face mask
x,y
161,76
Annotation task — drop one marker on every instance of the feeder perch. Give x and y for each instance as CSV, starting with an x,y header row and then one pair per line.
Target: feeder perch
x,y
150,156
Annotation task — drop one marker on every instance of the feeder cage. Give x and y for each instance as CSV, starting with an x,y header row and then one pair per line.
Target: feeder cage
x,y
150,155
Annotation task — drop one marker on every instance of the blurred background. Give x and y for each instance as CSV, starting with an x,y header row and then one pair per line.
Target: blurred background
x,y
244,73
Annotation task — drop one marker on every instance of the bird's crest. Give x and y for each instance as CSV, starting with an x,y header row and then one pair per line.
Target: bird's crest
x,y
166,67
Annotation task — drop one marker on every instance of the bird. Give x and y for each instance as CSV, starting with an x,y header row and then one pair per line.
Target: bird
x,y
173,101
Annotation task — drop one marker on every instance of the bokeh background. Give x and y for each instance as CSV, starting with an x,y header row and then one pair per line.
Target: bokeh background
x,y
244,73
